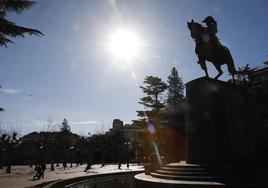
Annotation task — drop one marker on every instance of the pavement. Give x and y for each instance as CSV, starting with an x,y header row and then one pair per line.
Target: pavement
x,y
22,176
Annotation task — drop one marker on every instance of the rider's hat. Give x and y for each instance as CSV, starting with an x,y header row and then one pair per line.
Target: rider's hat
x,y
209,19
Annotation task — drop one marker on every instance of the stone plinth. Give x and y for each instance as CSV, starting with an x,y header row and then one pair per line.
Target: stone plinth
x,y
222,123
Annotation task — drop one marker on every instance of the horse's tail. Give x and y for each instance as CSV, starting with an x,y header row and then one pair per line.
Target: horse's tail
x,y
230,64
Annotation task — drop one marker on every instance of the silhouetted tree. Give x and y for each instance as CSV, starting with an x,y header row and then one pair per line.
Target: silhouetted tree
x,y
65,126
49,148
117,140
153,101
80,147
101,146
51,140
9,29
64,142
8,143
243,73
2,149
90,145
175,90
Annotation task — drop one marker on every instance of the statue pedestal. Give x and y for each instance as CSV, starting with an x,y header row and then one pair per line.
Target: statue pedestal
x,y
223,140
222,123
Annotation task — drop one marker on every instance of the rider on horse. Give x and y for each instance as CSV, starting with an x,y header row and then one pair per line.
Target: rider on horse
x,y
209,48
211,30
211,24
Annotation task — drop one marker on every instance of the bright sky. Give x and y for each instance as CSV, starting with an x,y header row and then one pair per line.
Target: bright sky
x,y
71,73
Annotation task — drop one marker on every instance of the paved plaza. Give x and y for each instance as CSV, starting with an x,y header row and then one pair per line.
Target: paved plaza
x,y
22,176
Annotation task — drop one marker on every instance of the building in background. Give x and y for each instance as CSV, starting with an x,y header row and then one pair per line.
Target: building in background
x,y
131,132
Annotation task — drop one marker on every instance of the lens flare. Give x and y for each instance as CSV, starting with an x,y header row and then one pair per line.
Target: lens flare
x,y
151,128
160,162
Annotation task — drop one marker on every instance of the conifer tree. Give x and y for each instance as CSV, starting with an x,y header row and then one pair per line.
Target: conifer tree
x,y
65,127
152,102
175,90
243,75
9,29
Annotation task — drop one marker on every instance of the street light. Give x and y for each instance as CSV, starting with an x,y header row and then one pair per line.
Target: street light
x,y
71,148
127,143
41,153
138,152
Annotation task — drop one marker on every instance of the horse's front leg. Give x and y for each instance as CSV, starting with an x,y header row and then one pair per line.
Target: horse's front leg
x,y
203,65
218,67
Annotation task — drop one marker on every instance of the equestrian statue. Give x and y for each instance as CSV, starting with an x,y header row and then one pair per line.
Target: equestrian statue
x,y
209,48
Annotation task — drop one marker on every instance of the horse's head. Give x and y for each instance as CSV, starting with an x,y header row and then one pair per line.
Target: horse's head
x,y
195,28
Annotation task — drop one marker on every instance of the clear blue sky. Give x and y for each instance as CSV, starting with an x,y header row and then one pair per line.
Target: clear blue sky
x,y
68,73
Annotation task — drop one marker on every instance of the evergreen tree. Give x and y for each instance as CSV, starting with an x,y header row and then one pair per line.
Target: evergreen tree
x,y
10,29
63,140
243,75
175,90
152,102
65,127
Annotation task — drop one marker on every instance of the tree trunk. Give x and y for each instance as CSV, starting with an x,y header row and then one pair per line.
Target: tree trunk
x,y
103,160
8,171
119,161
52,161
8,160
89,162
1,162
127,156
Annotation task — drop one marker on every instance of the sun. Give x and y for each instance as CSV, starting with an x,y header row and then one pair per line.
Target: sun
x,y
124,44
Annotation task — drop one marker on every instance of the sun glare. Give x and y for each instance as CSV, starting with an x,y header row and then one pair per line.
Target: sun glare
x,y
124,44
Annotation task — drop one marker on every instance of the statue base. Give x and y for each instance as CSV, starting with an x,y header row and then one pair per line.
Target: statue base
x,y
223,123
223,141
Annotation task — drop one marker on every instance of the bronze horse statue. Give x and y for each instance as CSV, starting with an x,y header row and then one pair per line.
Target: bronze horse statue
x,y
210,49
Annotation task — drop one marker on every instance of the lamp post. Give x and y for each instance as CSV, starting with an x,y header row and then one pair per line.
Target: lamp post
x,y
127,144
41,153
119,157
78,157
71,153
40,156
138,153
52,158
